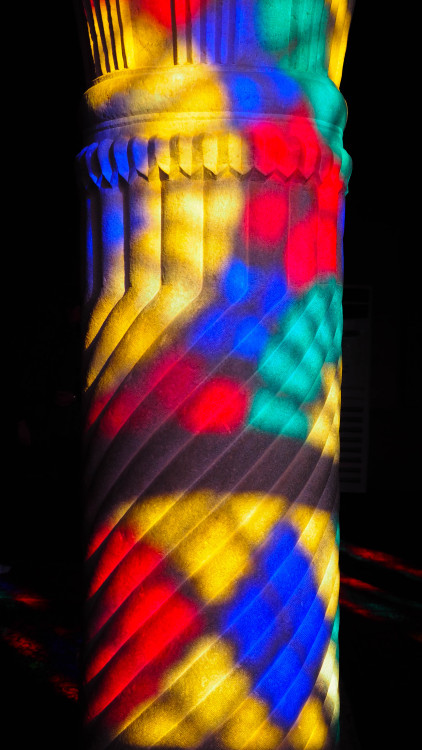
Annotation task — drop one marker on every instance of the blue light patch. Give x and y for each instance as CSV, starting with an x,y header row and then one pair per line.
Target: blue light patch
x,y
241,282
278,628
285,88
280,676
279,548
276,298
250,616
235,281
113,228
212,332
289,707
250,338
245,94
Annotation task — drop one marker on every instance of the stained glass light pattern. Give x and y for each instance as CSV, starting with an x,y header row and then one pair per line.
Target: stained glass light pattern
x,y
213,366
259,617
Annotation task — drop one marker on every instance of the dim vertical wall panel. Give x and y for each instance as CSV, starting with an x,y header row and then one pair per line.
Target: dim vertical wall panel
x,y
215,179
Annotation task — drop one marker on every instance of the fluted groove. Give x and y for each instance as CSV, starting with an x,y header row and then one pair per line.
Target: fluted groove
x,y
106,28
222,32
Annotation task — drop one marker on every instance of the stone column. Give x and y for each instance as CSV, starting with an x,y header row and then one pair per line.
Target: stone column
x,y
215,176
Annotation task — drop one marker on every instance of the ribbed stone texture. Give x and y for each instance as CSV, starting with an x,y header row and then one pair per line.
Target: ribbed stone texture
x,y
215,177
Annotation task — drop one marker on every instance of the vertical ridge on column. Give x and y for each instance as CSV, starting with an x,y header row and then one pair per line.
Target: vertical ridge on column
x,y
112,259
142,270
93,36
99,24
341,14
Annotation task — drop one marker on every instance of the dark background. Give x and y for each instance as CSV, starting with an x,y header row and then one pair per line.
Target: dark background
x,y
40,549
380,651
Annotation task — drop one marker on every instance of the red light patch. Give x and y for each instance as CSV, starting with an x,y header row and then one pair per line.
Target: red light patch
x,y
219,406
180,381
150,637
161,11
266,216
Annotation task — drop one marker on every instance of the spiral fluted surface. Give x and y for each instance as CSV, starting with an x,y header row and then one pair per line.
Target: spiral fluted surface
x,y
214,220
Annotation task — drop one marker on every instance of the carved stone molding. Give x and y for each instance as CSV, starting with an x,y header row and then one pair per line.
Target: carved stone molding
x,y
204,156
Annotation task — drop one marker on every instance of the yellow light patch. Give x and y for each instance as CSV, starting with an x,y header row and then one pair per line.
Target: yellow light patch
x,y
144,333
145,515
224,198
184,734
207,651
332,700
146,44
205,667
325,415
203,542
221,701
150,39
207,537
197,696
155,723
250,726
310,730
183,246
317,536
330,583
208,94
322,559
145,240
311,523
159,88
166,519
182,221
327,682
210,537
255,514
327,668
217,580
341,18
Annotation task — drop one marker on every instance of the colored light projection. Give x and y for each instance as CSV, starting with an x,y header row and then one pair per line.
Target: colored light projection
x,y
44,646
215,197
221,609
